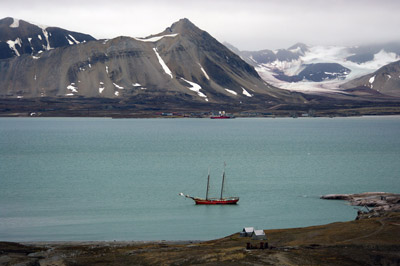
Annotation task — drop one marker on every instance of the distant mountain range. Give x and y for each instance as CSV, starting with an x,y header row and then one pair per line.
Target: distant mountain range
x,y
183,62
182,68
326,69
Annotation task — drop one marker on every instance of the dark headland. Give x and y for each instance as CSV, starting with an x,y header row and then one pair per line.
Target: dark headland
x,y
169,107
372,239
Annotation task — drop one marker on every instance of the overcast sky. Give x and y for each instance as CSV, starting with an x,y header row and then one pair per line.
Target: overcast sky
x,y
247,24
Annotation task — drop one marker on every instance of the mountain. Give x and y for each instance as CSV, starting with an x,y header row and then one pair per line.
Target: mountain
x,y
316,72
182,64
182,68
386,81
363,54
18,37
319,69
256,58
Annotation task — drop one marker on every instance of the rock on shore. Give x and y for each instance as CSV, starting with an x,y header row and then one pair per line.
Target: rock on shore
x,y
376,202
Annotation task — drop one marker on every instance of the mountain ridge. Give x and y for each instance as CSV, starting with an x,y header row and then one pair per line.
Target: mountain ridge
x,y
180,68
18,37
385,80
319,69
181,60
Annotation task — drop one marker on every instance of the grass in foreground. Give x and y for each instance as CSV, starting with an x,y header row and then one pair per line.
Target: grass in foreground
x,y
374,241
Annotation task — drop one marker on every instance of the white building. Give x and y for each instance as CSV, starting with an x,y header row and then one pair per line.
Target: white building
x,y
247,231
258,235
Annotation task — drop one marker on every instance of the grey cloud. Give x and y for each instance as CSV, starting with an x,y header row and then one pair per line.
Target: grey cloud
x,y
250,25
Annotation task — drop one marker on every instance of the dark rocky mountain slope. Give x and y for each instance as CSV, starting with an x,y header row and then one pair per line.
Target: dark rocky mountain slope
x,y
183,63
181,69
385,80
18,37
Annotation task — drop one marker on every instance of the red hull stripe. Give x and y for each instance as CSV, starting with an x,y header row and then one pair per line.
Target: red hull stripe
x,y
213,202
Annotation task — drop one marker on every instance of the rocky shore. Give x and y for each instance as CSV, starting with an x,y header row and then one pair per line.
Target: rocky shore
x,y
372,203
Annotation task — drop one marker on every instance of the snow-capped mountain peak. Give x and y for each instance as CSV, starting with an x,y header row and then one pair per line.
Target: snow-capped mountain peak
x,y
319,68
18,37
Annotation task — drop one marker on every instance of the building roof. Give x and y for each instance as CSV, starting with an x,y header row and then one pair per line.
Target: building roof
x,y
259,233
248,229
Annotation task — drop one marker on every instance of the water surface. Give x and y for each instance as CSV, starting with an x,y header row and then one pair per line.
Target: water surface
x,y
119,179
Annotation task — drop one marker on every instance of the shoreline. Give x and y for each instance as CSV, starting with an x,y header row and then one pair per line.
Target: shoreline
x,y
97,107
369,241
205,117
114,243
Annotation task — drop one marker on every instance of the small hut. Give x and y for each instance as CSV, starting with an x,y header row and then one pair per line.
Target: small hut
x,y
247,231
258,235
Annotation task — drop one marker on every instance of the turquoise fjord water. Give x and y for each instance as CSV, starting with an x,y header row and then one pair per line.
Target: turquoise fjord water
x,y
119,179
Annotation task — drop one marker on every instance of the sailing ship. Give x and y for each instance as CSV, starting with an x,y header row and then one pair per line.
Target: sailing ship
x,y
213,201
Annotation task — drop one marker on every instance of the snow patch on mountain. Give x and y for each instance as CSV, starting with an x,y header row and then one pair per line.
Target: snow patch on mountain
x,y
69,41
101,88
46,35
204,72
117,86
163,64
72,37
231,91
371,81
155,39
246,93
15,23
196,88
72,88
12,44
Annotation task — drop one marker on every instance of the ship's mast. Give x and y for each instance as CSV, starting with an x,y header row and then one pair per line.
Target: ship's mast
x,y
208,183
223,180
